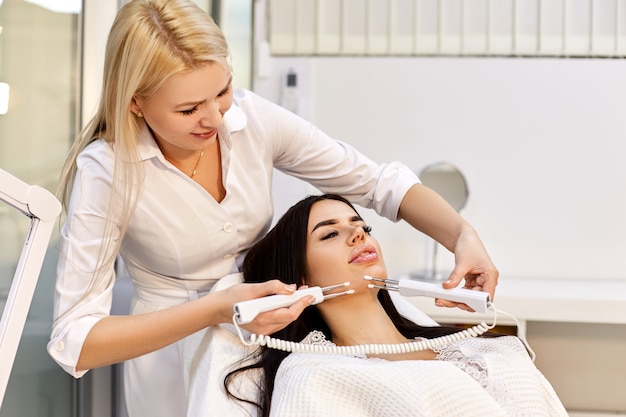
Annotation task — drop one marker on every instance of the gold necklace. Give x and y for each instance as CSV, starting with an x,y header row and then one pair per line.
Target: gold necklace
x,y
197,163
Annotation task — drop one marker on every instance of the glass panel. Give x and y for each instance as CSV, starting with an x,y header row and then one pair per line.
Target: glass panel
x,y
38,62
235,19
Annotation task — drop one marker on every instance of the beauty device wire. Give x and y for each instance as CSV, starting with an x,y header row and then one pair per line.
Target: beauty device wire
x,y
371,349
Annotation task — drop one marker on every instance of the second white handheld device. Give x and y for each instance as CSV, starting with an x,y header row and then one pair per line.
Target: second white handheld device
x,y
479,301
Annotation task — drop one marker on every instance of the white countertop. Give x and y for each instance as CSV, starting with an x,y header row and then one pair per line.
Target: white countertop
x,y
535,299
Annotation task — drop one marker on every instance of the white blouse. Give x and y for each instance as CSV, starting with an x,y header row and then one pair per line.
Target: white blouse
x,y
180,239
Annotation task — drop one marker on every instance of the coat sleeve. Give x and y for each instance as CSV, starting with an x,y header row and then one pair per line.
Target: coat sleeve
x,y
79,300
302,150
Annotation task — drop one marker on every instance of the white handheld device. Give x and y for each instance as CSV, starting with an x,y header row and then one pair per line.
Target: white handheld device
x,y
479,301
246,311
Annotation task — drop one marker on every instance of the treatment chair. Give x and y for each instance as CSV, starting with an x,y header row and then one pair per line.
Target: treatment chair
x,y
43,209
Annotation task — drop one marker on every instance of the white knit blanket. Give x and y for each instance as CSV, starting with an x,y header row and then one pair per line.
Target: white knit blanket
x,y
475,377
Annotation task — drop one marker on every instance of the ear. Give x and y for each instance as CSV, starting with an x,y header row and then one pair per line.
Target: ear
x,y
134,106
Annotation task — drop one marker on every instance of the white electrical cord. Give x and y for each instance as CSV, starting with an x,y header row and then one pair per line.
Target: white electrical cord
x,y
371,349
531,352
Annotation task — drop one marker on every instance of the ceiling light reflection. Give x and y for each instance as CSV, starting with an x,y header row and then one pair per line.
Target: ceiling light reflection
x,y
58,6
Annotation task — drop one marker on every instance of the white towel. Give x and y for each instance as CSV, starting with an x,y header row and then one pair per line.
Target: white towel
x,y
476,377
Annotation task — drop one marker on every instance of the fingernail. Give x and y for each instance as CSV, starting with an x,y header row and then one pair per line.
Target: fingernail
x,y
290,287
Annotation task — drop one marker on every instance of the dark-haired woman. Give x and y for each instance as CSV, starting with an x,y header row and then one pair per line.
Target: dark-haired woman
x,y
323,241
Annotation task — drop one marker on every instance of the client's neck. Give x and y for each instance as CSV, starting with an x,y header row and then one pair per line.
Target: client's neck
x,y
358,322
363,322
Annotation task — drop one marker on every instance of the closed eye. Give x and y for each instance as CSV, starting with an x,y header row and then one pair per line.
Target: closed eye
x,y
333,233
222,93
190,111
226,90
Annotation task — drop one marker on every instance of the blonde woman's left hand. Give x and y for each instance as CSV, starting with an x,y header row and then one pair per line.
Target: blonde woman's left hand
x,y
473,264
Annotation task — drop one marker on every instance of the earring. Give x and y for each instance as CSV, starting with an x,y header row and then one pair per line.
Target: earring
x,y
139,114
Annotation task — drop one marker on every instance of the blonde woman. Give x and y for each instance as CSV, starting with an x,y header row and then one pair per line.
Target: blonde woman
x,y
174,176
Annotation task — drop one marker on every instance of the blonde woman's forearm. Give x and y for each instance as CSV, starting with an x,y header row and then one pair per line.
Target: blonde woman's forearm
x,y
429,213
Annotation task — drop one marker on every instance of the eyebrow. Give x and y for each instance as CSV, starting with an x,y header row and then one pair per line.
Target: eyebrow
x,y
335,221
195,103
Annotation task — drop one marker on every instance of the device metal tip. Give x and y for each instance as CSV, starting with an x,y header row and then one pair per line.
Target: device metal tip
x,y
337,294
332,287
369,278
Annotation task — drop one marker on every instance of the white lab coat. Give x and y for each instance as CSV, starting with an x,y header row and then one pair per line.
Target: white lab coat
x,y
181,241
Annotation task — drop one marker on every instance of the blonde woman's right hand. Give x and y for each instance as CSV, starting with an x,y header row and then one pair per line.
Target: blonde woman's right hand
x,y
267,322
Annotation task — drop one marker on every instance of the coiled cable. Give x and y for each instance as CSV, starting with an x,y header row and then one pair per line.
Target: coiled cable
x,y
370,349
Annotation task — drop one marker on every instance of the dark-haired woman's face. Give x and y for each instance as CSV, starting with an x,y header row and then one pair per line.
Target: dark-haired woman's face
x,y
340,248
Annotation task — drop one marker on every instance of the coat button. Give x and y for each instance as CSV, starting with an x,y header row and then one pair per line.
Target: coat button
x,y
228,227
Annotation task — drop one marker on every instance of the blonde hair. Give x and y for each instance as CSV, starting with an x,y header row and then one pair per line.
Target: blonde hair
x,y
150,40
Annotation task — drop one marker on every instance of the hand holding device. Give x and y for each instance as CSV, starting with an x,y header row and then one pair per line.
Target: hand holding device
x,y
479,301
246,311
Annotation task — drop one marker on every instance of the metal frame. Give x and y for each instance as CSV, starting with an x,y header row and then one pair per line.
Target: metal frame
x,y
43,209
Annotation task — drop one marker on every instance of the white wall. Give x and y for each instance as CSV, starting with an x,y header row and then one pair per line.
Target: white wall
x,y
541,142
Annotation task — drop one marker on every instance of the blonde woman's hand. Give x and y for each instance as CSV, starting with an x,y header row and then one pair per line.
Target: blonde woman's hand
x,y
473,264
271,321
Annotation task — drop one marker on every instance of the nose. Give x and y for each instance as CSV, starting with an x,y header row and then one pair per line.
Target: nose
x,y
357,236
212,116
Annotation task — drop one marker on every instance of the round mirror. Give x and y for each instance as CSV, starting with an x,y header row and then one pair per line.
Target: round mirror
x,y
448,182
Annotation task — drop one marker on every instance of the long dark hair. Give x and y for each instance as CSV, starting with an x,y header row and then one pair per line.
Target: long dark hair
x,y
281,254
